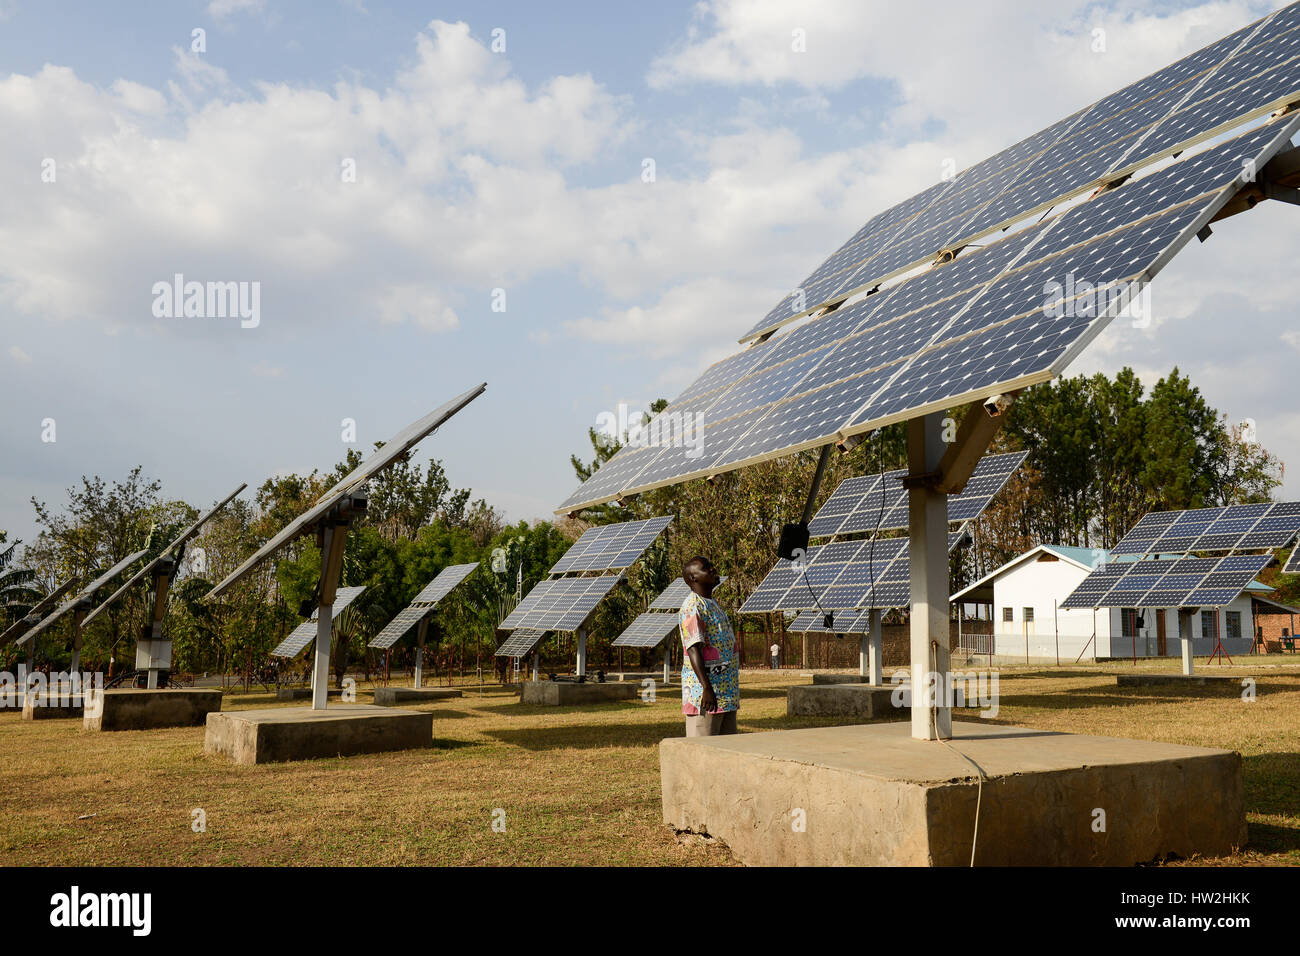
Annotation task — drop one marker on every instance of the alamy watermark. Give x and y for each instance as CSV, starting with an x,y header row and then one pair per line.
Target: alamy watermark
x,y
951,689
61,689
208,300
668,429
1079,297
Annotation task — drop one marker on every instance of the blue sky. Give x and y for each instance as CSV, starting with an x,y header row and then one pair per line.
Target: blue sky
x,y
518,170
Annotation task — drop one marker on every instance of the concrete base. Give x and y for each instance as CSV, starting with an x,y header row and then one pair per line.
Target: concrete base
x,y
839,679
300,733
870,795
304,693
391,696
567,694
35,707
134,708
844,700
1214,682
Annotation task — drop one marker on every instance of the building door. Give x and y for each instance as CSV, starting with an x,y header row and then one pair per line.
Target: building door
x,y
1160,632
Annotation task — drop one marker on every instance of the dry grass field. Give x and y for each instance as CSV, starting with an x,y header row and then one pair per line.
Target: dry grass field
x,y
578,786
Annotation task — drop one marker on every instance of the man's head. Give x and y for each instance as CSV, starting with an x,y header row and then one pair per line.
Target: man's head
x,y
700,576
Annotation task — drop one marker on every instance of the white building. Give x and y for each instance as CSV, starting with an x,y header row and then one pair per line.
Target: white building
x,y
1028,624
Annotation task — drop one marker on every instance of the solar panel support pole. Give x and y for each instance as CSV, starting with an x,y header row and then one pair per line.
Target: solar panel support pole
x,y
871,643
333,537
422,635
150,656
668,662
78,616
582,651
1185,632
928,544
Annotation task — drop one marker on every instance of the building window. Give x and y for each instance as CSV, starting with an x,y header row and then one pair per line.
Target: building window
x,y
1233,620
1128,621
1029,615
1007,616
1207,624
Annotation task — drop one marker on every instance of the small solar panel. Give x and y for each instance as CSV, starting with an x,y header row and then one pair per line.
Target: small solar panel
x,y
647,631
396,629
611,547
560,604
305,633
1227,528
845,622
1157,583
1293,563
520,643
423,604
859,504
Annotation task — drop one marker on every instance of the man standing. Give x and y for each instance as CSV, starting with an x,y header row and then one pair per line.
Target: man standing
x,y
776,655
711,682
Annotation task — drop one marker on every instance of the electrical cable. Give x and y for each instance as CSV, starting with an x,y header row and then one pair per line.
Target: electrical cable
x,y
934,726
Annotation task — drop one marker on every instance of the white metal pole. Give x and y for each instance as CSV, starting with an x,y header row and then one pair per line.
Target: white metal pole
x,y
582,651
1185,632
928,514
422,633
875,662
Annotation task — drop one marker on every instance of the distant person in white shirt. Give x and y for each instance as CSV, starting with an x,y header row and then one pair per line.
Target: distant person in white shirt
x,y
776,656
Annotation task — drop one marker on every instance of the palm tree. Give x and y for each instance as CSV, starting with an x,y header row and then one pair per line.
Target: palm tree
x,y
16,593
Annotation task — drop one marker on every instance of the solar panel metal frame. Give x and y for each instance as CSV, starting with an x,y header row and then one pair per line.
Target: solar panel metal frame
x,y
85,594
38,611
305,633
399,445
181,540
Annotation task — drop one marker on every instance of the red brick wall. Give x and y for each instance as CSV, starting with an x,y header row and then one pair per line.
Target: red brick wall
x,y
1273,626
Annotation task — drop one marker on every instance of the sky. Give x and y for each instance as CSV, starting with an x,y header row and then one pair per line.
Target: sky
x,y
581,204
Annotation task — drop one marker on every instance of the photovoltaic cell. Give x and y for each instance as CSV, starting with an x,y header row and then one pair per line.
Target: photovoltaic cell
x,y
448,578
396,629
982,324
424,603
560,604
1156,583
611,547
674,596
647,631
845,622
1227,528
305,633
520,643
1292,565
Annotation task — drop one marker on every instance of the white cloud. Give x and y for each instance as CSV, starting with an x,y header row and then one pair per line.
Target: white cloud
x,y
222,9
19,356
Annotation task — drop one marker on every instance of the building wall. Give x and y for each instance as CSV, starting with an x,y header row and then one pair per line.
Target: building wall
x,y
1274,627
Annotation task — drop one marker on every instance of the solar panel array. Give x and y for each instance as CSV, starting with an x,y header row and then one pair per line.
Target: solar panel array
x,y
859,503
305,633
1248,73
674,596
1229,528
647,631
393,449
1293,562
560,604
843,575
981,323
520,643
38,610
1168,582
846,622
611,547
85,594
423,604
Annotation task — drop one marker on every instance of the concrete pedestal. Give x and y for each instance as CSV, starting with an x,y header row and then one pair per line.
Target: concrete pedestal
x,y
567,694
139,709
1204,682
38,707
871,794
391,696
843,700
300,733
303,693
839,679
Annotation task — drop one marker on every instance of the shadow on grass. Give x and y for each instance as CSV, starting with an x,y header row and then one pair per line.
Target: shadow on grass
x,y
590,736
448,743
1272,781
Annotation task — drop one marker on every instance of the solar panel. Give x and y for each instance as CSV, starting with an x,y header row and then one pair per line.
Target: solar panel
x,y
38,610
1227,528
1292,563
1180,582
86,594
305,633
520,643
560,604
980,325
674,596
859,503
1245,75
843,575
393,449
422,605
845,622
647,631
181,540
611,547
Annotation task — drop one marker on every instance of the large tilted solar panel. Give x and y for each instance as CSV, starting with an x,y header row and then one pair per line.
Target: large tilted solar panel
x,y
674,596
448,578
843,575
611,547
396,629
38,611
1245,75
563,604
520,643
1293,563
961,332
305,633
1168,582
647,631
85,594
857,503
1227,528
